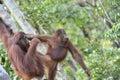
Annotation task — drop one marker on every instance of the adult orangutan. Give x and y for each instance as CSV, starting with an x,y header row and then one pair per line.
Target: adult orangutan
x,y
59,44
26,61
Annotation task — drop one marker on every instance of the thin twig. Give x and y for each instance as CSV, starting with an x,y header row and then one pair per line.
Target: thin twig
x,y
105,12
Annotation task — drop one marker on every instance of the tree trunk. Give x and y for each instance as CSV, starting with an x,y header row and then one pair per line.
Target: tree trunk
x,y
19,17
7,19
3,74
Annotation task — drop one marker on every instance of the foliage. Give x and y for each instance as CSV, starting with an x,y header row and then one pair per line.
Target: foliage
x,y
6,64
93,29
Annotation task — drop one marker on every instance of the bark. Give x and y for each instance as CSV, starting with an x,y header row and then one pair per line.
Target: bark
x,y
85,33
61,75
7,18
19,17
3,74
